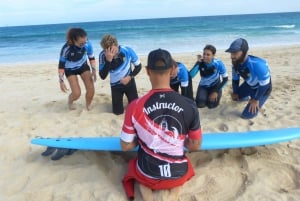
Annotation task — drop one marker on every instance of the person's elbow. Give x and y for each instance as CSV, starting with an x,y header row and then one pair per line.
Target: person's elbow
x,y
127,146
193,145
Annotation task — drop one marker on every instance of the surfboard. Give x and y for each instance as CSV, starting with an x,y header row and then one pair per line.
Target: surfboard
x,y
210,141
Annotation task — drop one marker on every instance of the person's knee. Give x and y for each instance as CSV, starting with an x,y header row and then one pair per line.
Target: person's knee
x,y
212,105
200,104
76,94
248,115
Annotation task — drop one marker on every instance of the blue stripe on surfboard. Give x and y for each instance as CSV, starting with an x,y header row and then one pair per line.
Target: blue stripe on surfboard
x,y
210,141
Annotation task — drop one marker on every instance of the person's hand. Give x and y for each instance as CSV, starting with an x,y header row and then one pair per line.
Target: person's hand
x,y
125,80
213,97
94,76
234,97
63,87
254,106
110,53
199,57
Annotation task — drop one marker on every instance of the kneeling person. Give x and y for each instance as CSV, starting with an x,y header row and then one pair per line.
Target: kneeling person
x,y
162,123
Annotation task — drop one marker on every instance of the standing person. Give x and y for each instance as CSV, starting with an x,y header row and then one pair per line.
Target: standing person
x,y
256,74
180,77
116,60
213,75
73,61
162,123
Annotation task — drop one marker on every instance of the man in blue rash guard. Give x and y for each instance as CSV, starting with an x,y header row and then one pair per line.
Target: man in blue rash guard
x,y
213,75
256,74
180,77
116,60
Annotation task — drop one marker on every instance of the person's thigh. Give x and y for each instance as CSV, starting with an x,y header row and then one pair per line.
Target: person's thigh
x,y
74,85
244,91
88,81
201,97
131,91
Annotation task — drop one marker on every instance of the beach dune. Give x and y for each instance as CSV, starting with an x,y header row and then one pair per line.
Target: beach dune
x,y
31,104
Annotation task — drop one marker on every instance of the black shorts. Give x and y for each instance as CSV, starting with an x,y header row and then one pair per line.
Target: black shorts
x,y
160,169
79,71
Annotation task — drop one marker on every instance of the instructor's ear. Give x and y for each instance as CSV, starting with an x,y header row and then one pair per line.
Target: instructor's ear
x,y
148,72
172,70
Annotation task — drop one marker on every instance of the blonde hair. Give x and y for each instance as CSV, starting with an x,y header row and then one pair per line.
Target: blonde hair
x,y
108,40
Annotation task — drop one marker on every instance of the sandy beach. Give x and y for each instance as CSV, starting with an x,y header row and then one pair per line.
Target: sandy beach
x,y
31,104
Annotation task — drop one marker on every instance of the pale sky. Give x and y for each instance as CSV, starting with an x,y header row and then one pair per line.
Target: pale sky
x,y
31,12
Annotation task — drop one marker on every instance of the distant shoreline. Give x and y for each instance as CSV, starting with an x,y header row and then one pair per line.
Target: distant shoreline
x,y
158,18
192,53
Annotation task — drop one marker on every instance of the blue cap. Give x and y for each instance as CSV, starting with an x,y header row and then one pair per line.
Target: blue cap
x,y
239,44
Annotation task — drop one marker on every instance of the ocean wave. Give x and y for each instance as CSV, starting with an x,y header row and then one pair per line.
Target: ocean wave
x,y
285,26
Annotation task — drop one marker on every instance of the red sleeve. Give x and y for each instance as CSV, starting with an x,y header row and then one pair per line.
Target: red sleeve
x,y
195,134
128,126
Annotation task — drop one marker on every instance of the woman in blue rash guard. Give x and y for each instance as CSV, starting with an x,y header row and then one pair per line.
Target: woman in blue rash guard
x,y
73,61
213,75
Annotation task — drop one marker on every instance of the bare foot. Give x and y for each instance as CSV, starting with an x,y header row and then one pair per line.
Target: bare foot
x,y
89,107
71,105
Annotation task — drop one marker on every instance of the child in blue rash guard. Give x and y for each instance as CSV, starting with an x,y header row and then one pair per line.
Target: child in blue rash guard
x,y
256,74
73,61
213,77
180,77
117,60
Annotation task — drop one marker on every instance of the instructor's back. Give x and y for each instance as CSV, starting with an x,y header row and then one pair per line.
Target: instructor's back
x,y
162,123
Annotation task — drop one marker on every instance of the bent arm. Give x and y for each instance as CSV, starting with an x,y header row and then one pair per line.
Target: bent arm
x,y
127,146
104,70
193,145
193,72
136,70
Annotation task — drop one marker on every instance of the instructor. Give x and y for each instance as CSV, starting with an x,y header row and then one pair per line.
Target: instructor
x,y
162,123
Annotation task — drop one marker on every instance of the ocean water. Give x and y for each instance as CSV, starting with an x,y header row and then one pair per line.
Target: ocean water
x,y
188,34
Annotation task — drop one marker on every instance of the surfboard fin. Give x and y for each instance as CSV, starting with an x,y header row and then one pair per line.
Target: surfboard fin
x,y
49,151
59,154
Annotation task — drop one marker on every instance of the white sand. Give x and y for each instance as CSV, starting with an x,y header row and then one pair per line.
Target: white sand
x,y
31,104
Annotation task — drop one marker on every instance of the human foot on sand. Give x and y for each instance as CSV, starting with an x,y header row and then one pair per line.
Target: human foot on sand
x,y
71,105
88,107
